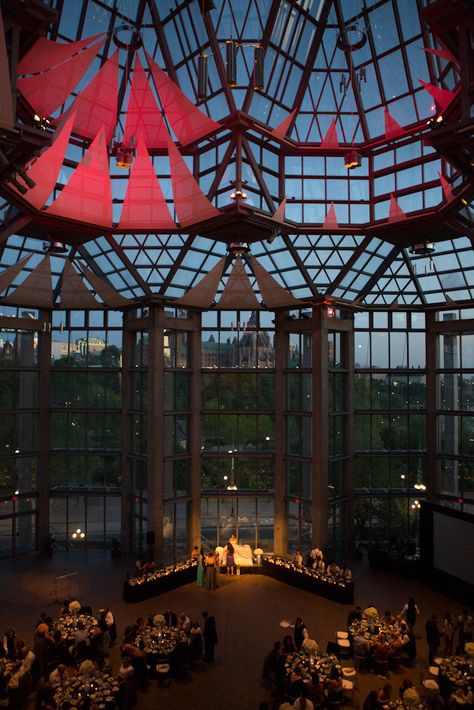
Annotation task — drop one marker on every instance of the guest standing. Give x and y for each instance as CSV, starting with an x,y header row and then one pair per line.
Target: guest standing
x,y
201,570
210,636
433,637
301,633
465,629
210,581
111,626
448,633
411,611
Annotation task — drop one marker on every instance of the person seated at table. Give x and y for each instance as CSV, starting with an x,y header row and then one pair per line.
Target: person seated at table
x,y
184,623
387,618
7,649
354,615
288,646
384,694
319,566
371,701
303,703
127,685
360,646
335,688
297,686
462,695
297,558
333,569
381,652
171,618
195,552
315,691
59,675
346,574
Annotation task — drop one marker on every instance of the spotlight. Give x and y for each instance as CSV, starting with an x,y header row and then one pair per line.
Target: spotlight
x,y
231,62
124,158
19,186
435,122
258,70
202,76
352,159
422,249
238,195
56,248
331,312
238,248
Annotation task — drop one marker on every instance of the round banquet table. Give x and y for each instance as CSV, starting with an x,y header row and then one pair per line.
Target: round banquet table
x,y
454,671
98,690
159,642
323,663
67,624
372,630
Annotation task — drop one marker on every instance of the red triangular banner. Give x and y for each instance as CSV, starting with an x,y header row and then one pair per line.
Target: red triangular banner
x,y
444,53
331,140
144,206
87,197
143,114
190,203
46,169
46,92
447,189
331,220
392,128
395,213
187,121
282,128
441,96
96,106
279,214
46,53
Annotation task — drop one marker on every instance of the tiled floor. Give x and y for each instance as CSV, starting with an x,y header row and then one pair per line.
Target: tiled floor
x,y
248,611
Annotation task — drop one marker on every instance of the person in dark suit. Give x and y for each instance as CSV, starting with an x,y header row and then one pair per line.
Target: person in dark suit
x,y
171,618
210,636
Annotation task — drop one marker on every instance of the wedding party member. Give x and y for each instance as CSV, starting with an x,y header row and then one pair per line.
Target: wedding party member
x,y
229,562
111,626
298,558
201,569
210,581
465,629
210,636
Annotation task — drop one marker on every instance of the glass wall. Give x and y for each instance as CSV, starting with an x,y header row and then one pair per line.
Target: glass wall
x,y
85,428
455,418
298,440
237,426
390,427
19,382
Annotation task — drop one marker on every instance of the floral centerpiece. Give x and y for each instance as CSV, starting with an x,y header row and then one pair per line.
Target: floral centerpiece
x,y
310,647
469,649
74,606
371,613
411,698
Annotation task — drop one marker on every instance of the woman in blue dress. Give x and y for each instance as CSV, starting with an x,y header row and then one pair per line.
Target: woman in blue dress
x,y
201,571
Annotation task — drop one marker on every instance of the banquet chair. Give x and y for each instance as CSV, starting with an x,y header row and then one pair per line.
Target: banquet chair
x,y
163,672
343,648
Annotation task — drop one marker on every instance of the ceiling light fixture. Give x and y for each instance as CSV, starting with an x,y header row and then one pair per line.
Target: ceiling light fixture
x,y
231,62
258,69
422,249
202,76
238,195
352,159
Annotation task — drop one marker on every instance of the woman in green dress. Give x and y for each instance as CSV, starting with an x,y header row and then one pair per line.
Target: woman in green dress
x,y
201,571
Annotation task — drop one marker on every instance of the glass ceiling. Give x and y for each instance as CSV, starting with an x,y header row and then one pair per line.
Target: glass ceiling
x,y
317,77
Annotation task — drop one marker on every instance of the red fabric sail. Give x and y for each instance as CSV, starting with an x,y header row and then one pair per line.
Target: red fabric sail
x,y
331,220
281,130
46,169
96,106
48,91
395,212
143,114
87,197
392,128
144,206
444,53
45,53
330,140
441,96
187,121
190,203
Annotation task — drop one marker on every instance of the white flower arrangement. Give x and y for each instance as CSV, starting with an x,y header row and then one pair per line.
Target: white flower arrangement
x,y
469,649
310,647
411,697
74,606
371,613
158,619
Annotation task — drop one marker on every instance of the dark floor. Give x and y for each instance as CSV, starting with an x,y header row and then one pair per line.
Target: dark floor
x,y
248,611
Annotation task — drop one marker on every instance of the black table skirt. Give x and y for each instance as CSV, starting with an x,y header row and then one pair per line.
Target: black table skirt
x,y
343,595
148,590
